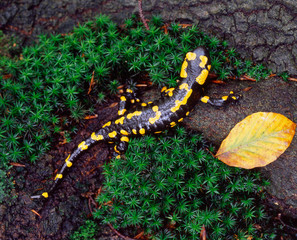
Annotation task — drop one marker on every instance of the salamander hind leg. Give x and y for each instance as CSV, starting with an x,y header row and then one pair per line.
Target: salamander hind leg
x,y
223,101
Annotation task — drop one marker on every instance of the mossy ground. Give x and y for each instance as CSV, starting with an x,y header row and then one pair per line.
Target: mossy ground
x,y
53,84
45,91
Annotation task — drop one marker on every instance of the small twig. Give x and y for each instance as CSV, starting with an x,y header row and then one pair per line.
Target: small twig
x,y
203,233
286,225
118,233
218,82
32,210
141,15
292,79
91,200
89,205
210,152
247,89
139,235
91,83
183,25
91,117
17,164
141,85
244,77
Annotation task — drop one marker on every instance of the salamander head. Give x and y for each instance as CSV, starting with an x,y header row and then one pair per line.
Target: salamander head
x,y
196,66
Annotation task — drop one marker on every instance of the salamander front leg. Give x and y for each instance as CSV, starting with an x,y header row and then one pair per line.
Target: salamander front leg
x,y
167,92
220,102
126,100
121,147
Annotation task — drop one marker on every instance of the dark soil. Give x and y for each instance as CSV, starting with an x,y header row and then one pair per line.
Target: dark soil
x,y
71,203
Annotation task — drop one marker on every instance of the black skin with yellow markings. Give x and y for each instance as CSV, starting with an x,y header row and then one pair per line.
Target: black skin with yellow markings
x,y
152,117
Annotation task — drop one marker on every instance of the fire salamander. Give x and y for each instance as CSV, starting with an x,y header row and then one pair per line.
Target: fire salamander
x,y
153,117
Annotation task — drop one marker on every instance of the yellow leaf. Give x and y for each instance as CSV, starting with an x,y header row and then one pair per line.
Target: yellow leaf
x,y
257,140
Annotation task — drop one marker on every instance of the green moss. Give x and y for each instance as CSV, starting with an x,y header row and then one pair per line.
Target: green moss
x,y
284,76
86,232
169,187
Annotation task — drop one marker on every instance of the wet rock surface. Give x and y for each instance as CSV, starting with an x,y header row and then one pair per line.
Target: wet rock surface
x,y
273,95
263,31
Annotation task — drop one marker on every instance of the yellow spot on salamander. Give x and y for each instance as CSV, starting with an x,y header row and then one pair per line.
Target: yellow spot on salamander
x,y
233,97
203,61
68,163
208,67
205,99
115,149
134,131
83,145
172,124
106,124
120,120
136,113
142,131
163,89
45,195
118,156
132,101
184,86
112,134
143,104
59,175
124,139
180,120
231,92
225,98
124,132
96,137
191,56
129,90
178,103
170,92
123,98
121,112
137,100
154,119
187,113
158,132
149,102
183,72
158,114
202,77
